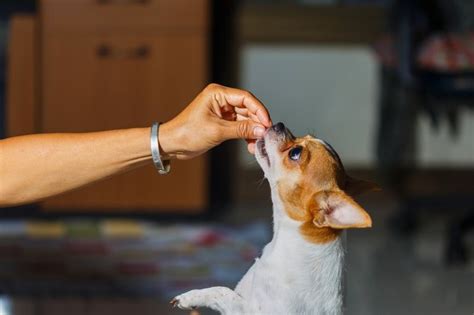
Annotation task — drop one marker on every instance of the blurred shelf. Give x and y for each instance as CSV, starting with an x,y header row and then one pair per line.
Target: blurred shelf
x,y
331,24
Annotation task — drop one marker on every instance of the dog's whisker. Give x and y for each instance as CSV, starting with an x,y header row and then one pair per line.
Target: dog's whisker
x,y
260,182
312,132
253,162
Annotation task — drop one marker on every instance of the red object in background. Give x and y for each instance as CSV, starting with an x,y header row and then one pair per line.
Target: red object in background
x,y
440,53
448,53
209,239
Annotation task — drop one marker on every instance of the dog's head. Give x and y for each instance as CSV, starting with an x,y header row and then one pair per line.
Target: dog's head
x,y
310,180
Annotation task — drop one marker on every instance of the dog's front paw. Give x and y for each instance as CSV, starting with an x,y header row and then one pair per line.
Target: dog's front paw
x,y
184,301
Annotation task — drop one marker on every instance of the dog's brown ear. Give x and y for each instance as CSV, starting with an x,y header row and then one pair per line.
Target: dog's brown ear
x,y
355,187
337,210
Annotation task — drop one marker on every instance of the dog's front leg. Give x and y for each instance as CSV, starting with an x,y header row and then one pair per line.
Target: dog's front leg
x,y
220,299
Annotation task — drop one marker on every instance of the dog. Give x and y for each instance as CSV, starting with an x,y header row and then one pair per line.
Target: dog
x,y
301,269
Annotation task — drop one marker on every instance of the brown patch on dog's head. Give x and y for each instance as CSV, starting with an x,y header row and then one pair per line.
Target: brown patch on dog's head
x,y
313,185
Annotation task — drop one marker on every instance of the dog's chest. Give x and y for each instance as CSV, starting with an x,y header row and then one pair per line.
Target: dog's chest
x,y
295,278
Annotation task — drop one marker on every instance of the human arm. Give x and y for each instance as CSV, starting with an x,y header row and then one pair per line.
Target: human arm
x,y
35,167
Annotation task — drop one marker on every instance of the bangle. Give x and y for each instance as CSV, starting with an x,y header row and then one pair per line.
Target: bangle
x,y
162,167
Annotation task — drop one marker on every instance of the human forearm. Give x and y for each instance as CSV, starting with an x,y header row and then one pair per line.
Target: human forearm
x,y
38,166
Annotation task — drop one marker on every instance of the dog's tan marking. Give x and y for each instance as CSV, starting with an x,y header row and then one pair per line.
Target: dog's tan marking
x,y
318,172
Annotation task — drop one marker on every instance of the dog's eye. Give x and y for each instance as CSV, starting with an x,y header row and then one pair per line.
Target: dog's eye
x,y
295,153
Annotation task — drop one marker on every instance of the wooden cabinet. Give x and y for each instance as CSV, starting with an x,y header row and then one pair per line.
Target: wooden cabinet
x,y
109,64
170,16
98,82
21,97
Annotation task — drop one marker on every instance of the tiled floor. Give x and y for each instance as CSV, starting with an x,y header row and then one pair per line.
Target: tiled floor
x,y
386,274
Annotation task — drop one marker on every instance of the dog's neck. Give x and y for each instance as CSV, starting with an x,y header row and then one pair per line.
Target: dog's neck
x,y
316,269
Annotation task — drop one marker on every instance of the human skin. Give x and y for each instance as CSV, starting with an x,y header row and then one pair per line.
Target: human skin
x,y
35,167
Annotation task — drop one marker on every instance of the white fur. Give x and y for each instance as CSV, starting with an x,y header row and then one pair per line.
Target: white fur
x,y
293,276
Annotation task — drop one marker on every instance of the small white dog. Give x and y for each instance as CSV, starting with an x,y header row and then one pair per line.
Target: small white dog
x,y
301,269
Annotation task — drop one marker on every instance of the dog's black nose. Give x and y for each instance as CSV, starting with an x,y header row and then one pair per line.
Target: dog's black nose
x,y
278,127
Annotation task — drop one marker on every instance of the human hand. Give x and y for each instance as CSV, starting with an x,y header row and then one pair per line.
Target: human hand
x,y
217,114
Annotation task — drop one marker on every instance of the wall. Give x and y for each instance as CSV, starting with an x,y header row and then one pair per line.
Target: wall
x,y
331,91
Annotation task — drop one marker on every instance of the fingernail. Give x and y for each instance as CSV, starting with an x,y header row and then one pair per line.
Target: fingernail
x,y
258,131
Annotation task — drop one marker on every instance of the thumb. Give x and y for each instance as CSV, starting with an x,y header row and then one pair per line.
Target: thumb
x,y
243,129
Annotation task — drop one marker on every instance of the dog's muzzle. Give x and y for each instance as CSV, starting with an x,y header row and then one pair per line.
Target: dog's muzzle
x,y
280,130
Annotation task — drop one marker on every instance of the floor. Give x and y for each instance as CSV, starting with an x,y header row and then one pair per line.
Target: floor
x,y
392,274
386,274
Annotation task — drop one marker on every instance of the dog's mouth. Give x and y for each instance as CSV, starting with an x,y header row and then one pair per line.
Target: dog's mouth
x,y
262,151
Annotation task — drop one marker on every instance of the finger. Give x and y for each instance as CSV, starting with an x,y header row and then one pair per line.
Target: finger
x,y
252,117
244,99
216,109
251,147
250,140
242,111
241,117
245,113
243,129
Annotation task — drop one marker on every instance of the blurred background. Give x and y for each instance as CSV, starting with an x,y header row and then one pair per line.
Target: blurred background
x,y
390,84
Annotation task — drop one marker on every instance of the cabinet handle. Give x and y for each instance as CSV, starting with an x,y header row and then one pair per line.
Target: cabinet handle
x,y
112,2
139,52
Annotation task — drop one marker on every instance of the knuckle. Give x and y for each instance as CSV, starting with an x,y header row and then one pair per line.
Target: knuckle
x,y
247,94
212,87
243,129
217,98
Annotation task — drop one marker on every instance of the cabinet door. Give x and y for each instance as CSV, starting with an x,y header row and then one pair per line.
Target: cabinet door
x,y
106,82
21,84
94,16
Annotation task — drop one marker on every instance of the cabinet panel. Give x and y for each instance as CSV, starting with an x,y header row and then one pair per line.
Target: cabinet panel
x,y
102,15
98,82
21,100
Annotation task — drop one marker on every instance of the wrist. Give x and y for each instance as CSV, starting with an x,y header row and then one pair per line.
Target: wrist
x,y
167,140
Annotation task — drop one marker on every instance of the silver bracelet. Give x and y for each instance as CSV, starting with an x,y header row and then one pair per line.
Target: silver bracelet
x,y
162,167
